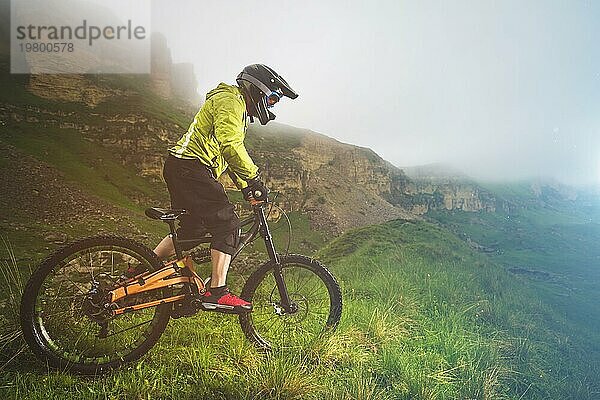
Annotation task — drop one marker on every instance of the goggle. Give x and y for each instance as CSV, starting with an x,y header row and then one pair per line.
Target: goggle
x,y
273,98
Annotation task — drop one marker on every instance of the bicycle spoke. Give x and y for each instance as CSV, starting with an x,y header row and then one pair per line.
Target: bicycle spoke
x,y
47,315
128,329
310,297
91,269
70,297
77,287
72,328
81,335
265,312
305,279
316,285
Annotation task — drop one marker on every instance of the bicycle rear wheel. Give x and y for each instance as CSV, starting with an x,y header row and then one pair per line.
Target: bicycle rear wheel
x,y
313,290
62,314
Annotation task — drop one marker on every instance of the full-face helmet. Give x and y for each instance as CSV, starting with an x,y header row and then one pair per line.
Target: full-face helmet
x,y
262,88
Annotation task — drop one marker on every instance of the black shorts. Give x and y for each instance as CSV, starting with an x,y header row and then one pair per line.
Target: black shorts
x,y
193,187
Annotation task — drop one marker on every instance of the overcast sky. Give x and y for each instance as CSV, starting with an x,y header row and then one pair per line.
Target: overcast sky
x,y
501,89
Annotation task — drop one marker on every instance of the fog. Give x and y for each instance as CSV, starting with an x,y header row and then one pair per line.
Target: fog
x,y
501,90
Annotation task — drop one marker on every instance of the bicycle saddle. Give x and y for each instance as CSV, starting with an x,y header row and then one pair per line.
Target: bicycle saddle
x,y
164,214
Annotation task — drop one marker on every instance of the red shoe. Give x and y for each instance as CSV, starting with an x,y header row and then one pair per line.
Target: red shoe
x,y
226,302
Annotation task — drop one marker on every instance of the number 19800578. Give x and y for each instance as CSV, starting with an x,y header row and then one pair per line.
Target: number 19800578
x,y
41,47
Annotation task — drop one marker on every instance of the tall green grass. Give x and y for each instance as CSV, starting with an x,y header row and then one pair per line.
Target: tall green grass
x,y
424,317
12,282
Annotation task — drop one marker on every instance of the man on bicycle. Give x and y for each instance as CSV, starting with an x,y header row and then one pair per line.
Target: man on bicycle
x,y
213,144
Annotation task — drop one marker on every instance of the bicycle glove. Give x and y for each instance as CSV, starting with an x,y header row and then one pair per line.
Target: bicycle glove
x,y
255,190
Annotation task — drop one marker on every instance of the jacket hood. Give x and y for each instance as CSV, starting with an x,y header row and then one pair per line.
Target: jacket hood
x,y
225,88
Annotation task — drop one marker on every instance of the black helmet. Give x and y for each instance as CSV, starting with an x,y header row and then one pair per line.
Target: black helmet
x,y
263,87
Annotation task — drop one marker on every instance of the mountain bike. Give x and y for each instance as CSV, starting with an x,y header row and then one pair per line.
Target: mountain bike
x,y
104,301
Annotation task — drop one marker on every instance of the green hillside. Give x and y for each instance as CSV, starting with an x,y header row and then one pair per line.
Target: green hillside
x,y
550,245
500,307
554,244
59,183
425,317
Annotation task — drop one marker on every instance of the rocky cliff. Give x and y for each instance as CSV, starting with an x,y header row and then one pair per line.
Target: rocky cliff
x,y
166,80
441,187
171,80
72,88
340,185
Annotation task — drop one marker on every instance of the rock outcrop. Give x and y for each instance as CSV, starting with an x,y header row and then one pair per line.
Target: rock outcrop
x,y
160,67
339,185
169,80
166,80
72,88
440,187
184,83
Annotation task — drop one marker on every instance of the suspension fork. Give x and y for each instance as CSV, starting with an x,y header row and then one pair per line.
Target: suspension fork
x,y
265,232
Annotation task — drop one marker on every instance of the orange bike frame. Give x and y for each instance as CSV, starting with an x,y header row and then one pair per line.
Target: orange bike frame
x,y
156,280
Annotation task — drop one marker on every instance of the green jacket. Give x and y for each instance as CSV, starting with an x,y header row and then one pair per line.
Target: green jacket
x,y
216,136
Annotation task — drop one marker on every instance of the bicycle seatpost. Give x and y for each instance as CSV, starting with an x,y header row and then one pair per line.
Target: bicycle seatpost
x,y
173,235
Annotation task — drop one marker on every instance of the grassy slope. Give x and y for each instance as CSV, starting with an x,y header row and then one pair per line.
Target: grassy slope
x,y
508,326
80,161
561,249
425,318
553,248
87,166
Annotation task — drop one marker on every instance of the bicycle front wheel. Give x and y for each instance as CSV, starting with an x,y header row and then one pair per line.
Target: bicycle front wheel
x,y
63,317
314,293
